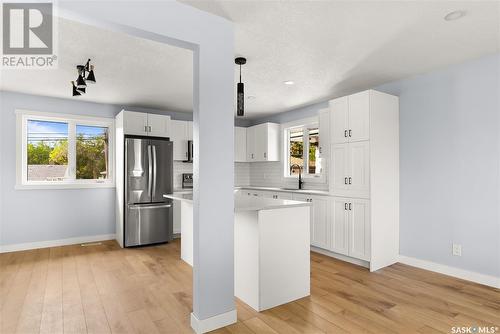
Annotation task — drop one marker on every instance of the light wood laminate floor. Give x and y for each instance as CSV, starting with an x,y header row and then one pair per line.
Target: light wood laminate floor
x,y
106,289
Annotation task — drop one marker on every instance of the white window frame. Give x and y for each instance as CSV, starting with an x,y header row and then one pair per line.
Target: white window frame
x,y
306,123
22,117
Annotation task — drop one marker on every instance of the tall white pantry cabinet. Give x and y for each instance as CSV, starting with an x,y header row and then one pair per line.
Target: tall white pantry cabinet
x,y
364,177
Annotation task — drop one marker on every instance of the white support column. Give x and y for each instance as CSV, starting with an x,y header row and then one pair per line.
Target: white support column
x,y
212,40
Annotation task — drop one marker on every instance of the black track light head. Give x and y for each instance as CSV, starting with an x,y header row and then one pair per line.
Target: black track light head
x,y
75,92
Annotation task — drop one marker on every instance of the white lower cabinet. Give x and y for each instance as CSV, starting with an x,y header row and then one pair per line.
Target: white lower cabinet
x,y
350,227
339,221
359,229
320,229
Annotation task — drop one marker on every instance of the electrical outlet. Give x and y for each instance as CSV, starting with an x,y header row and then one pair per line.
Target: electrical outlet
x,y
457,250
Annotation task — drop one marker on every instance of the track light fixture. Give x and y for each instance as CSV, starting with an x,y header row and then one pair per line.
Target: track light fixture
x,y
240,90
83,78
75,92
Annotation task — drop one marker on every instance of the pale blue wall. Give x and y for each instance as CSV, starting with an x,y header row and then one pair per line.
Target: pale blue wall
x,y
449,164
41,215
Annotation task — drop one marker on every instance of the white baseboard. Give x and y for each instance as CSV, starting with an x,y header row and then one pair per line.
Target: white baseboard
x,y
55,243
341,257
212,323
452,271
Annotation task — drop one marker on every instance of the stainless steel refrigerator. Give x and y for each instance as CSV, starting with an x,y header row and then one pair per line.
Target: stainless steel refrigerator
x,y
148,175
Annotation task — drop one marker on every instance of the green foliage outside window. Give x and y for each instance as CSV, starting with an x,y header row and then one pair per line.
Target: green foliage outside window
x,y
91,155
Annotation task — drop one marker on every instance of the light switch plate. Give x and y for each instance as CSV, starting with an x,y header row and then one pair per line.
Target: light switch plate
x,y
457,250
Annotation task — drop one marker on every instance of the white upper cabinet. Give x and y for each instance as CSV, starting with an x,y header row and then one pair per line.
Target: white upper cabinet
x,y
350,118
143,124
135,123
179,135
158,125
359,117
251,144
240,144
339,120
263,142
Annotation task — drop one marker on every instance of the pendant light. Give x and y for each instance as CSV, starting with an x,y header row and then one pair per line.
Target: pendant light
x,y
240,90
75,92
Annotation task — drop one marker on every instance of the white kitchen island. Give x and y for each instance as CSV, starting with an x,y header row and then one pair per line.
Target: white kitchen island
x,y
271,248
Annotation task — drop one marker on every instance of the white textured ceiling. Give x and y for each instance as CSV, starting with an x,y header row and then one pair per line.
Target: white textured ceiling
x,y
129,71
332,48
328,48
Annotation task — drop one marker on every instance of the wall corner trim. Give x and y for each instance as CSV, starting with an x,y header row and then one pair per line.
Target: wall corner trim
x,y
452,271
55,243
212,323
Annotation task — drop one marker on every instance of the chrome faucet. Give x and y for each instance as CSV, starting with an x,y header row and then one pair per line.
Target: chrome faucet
x,y
292,167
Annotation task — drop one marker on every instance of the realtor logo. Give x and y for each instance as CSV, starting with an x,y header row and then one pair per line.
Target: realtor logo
x,y
28,35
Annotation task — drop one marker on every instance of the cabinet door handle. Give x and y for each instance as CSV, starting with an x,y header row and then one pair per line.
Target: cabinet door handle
x,y
345,206
149,128
345,180
350,206
265,155
350,133
345,133
350,180
145,128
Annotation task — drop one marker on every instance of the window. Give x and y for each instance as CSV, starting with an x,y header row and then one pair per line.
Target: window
x,y
302,150
64,151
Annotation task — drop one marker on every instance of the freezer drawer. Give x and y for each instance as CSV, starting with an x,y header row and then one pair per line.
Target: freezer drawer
x,y
148,224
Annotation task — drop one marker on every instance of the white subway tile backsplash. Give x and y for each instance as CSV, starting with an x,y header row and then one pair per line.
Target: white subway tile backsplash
x,y
268,174
258,174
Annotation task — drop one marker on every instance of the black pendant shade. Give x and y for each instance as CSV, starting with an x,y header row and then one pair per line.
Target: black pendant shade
x,y
75,92
83,78
240,105
240,90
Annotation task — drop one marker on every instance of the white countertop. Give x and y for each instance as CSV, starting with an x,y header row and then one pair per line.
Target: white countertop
x,y
245,203
300,191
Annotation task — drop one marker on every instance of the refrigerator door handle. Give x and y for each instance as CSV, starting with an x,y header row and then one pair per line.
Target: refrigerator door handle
x,y
150,168
141,206
154,172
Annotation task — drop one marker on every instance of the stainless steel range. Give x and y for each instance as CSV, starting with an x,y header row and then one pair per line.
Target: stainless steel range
x,y
187,180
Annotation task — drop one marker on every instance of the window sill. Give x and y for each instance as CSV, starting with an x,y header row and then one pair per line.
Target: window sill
x,y
37,186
